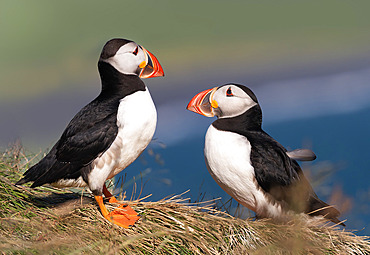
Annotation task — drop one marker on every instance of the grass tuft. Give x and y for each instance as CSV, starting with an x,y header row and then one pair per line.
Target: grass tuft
x,y
55,221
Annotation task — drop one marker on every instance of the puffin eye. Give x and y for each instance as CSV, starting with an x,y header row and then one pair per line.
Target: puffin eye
x,y
135,51
229,93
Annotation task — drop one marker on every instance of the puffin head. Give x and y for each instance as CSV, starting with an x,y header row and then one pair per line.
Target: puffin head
x,y
127,57
226,101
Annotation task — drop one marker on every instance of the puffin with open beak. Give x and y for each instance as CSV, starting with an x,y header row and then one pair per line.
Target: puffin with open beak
x,y
109,133
250,165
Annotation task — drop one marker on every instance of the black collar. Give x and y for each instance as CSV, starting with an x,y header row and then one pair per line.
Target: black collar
x,y
251,120
116,83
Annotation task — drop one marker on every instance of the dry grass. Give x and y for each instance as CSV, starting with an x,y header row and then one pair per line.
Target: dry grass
x,y
53,221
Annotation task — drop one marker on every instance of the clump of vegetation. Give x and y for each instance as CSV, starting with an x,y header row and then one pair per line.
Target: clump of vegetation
x,y
54,221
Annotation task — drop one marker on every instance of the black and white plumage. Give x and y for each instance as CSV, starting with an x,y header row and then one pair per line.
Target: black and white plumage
x,y
249,164
109,133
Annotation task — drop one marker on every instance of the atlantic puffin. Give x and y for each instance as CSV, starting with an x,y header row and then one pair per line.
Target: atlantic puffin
x,y
250,165
109,133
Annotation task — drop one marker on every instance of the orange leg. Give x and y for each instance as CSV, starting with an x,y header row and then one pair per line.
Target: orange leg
x,y
123,216
109,195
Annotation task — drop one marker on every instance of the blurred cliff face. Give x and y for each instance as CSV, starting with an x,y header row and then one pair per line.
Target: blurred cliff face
x,y
48,47
49,52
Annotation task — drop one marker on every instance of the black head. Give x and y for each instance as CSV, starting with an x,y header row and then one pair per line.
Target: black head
x,y
112,46
233,104
226,101
127,57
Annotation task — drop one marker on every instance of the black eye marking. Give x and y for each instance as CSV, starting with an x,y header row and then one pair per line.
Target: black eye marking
x,y
229,93
135,51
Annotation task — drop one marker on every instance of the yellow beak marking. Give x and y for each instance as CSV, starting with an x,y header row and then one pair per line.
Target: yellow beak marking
x,y
142,64
214,104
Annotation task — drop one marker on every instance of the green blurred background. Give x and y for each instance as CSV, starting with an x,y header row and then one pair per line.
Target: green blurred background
x,y
48,46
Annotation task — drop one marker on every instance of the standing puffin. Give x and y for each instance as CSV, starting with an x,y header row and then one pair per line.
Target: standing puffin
x,y
250,165
109,133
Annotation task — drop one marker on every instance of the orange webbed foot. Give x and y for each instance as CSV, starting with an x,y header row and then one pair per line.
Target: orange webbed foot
x,y
123,216
113,200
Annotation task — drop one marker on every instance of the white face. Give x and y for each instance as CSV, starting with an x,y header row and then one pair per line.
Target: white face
x,y
128,58
232,101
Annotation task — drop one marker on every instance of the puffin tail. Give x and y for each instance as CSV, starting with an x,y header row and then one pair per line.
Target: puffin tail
x,y
31,174
318,207
21,181
38,170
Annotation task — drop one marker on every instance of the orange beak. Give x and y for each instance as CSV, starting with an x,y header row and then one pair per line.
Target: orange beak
x,y
203,103
152,68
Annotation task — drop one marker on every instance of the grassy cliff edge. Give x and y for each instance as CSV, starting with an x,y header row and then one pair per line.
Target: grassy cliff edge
x,y
55,221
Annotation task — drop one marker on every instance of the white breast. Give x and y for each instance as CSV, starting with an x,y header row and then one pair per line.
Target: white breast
x,y
136,121
228,161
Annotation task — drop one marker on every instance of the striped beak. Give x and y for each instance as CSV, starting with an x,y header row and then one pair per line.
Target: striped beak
x,y
150,67
203,103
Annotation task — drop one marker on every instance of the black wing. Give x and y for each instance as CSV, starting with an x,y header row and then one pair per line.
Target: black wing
x,y
277,174
87,136
271,164
83,145
283,179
